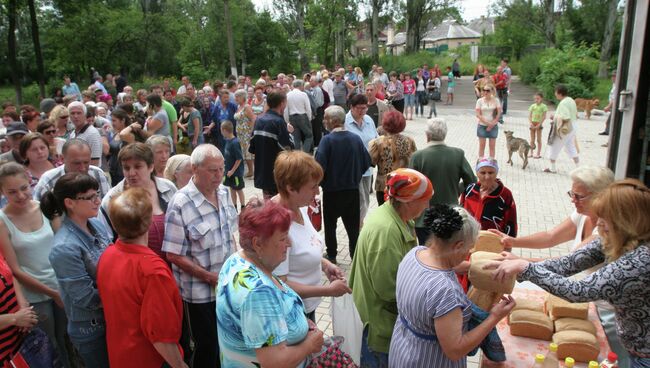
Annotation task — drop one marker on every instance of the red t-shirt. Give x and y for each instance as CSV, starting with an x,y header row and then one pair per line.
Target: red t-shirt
x,y
500,81
142,305
409,87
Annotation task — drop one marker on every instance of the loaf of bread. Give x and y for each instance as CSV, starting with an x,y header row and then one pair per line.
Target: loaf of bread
x,y
557,308
527,304
574,324
531,324
483,299
488,242
579,345
482,279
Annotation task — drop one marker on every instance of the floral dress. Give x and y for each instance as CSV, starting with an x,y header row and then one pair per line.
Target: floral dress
x,y
252,313
244,132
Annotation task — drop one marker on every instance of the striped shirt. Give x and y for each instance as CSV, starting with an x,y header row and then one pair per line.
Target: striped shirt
x,y
424,294
196,229
50,177
9,336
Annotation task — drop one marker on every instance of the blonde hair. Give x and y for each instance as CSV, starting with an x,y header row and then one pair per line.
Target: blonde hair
x,y
626,232
175,164
57,111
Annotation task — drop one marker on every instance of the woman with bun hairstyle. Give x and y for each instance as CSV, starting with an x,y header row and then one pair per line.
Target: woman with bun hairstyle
x,y
432,327
78,244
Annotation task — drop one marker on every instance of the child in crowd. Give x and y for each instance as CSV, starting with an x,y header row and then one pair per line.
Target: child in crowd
x,y
451,83
232,154
536,116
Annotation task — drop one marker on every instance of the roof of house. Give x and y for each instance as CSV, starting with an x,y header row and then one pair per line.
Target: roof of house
x,y
482,25
449,29
399,39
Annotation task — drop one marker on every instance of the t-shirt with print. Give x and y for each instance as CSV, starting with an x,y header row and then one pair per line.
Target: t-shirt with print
x,y
409,86
451,83
537,112
303,262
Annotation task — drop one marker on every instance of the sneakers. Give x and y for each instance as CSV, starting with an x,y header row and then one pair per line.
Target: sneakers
x,y
603,133
331,259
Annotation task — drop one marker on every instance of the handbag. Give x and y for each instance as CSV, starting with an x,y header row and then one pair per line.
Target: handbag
x,y
435,95
315,213
36,351
331,355
347,323
423,99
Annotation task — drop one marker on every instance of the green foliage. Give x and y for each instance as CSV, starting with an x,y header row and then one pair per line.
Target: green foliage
x,y
574,66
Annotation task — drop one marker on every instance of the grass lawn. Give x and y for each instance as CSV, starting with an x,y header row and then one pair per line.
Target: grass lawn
x,y
601,91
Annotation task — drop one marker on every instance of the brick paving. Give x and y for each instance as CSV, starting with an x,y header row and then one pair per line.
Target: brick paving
x,y
541,198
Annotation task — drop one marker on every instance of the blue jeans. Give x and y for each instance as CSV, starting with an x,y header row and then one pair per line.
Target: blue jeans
x,y
419,96
369,358
639,362
89,338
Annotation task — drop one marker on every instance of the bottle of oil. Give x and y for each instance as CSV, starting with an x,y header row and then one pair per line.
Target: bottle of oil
x,y
611,361
539,361
551,360
569,362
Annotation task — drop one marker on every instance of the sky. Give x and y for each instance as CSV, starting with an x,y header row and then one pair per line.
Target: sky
x,y
470,9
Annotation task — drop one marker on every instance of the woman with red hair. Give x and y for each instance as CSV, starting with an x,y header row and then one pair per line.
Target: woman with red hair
x,y
260,319
390,151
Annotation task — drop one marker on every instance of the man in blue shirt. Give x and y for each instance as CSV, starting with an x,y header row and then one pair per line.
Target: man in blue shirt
x,y
357,122
71,88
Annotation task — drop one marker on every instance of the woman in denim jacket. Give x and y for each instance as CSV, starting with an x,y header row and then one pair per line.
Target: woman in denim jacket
x,y
78,244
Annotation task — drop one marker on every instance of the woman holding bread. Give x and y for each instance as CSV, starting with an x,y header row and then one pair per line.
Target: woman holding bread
x,y
432,327
624,248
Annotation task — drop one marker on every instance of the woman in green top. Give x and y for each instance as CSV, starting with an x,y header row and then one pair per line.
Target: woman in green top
x,y
387,235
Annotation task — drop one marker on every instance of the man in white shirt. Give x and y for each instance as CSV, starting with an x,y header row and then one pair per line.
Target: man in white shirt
x,y
87,132
183,88
298,114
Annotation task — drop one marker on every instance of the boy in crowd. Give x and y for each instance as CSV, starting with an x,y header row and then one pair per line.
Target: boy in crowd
x,y
234,178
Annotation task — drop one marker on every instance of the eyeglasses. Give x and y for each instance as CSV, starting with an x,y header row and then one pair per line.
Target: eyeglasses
x,y
90,197
63,117
486,90
50,132
578,197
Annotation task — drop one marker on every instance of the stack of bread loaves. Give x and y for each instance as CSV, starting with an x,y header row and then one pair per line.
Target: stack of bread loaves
x,y
486,292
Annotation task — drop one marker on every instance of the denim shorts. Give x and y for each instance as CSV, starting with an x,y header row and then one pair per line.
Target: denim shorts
x,y
481,132
409,100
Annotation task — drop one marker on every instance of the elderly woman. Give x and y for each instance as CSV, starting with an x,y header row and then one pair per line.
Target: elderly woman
x,y
34,148
245,121
137,160
430,301
142,304
623,246
388,234
390,151
178,170
395,92
161,148
297,176
26,238
60,117
78,244
488,112
261,320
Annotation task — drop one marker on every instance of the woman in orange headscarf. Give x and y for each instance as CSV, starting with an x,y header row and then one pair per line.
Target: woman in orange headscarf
x,y
388,233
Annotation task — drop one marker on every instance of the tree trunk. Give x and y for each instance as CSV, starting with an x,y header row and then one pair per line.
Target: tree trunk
x,y
549,22
374,31
413,19
340,44
300,20
11,45
608,38
231,44
37,48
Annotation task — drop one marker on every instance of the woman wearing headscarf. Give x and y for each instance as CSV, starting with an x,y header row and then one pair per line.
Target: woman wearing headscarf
x,y
387,235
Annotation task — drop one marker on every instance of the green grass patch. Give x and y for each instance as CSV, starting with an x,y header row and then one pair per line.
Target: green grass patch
x,y
601,91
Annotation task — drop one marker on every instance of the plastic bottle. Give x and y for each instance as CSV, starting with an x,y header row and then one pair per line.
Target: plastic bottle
x,y
593,364
551,360
569,362
611,361
539,361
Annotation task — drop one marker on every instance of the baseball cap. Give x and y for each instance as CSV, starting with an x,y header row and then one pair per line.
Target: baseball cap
x,y
16,127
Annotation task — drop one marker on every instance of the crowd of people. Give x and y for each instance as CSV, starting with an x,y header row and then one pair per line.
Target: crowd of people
x,y
124,228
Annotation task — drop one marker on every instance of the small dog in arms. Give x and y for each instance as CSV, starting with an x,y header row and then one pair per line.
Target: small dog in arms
x,y
519,145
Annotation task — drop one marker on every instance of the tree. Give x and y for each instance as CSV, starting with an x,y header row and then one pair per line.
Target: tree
x,y
376,8
419,10
12,10
294,13
37,48
608,38
548,7
231,44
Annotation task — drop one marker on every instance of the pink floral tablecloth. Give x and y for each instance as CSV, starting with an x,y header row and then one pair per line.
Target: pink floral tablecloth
x,y
521,351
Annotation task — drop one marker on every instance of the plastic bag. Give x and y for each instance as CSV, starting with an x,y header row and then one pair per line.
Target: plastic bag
x,y
347,323
331,355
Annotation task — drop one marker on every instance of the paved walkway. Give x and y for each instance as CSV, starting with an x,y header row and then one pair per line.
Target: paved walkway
x,y
541,197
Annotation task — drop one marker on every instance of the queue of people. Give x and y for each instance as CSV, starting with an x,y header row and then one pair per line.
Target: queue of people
x,y
138,246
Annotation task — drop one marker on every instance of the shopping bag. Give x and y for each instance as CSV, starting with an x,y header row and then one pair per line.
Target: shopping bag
x,y
314,211
331,355
347,323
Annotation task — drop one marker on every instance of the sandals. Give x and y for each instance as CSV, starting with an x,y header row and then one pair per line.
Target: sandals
x,y
547,170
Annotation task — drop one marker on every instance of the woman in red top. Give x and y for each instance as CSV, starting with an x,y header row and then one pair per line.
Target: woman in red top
x,y
16,316
490,202
142,305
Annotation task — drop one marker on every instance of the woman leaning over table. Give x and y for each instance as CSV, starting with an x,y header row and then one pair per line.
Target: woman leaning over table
x,y
624,248
142,304
26,238
432,303
297,176
261,320
78,244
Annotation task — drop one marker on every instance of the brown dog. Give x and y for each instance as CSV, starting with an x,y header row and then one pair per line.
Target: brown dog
x,y
517,145
587,105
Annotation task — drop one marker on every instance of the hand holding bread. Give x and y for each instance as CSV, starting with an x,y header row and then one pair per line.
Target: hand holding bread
x,y
504,269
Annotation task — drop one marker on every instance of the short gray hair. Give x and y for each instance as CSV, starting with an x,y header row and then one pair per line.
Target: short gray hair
x,y
336,113
156,140
595,178
241,93
436,129
80,104
203,151
297,83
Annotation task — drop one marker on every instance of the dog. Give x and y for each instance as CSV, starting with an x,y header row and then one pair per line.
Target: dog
x,y
517,145
587,105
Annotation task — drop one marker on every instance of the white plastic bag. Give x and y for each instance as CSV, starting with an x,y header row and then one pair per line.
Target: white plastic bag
x,y
347,323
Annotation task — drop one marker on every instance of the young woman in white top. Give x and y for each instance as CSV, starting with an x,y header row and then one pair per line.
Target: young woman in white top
x,y
297,176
